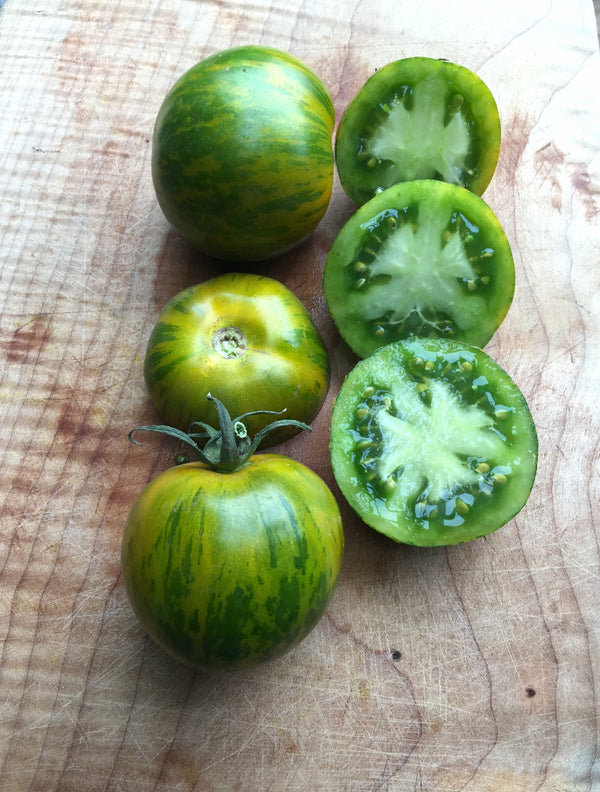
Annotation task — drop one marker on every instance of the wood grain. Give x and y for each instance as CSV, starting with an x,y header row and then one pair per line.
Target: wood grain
x,y
468,669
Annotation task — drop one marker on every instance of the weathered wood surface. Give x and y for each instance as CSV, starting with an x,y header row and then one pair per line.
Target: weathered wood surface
x,y
497,684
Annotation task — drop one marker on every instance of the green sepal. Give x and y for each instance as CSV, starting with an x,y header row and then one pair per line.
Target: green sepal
x,y
230,446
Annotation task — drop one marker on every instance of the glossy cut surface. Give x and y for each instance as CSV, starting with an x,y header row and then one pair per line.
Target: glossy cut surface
x,y
418,118
423,258
432,443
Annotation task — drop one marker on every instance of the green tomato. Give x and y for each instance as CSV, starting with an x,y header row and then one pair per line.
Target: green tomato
x,y
242,153
432,443
246,339
418,118
232,560
423,258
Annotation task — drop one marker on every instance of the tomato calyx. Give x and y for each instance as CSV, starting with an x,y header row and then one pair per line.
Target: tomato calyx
x,y
229,447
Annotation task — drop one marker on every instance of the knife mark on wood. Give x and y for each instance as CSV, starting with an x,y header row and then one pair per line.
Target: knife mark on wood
x,y
32,335
587,190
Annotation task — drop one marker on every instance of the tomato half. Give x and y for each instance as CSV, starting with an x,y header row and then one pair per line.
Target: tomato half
x,y
423,258
242,154
227,570
418,118
432,443
247,340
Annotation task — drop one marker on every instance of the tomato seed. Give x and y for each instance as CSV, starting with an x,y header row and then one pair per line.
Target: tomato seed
x,y
462,508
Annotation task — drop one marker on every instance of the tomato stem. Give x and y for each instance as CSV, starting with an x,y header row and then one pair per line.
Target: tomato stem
x,y
230,446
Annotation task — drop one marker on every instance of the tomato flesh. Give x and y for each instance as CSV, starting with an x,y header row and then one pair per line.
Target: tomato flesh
x,y
432,443
418,118
424,258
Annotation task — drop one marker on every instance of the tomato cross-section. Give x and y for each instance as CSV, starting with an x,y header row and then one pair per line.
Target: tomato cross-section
x,y
423,258
432,443
418,118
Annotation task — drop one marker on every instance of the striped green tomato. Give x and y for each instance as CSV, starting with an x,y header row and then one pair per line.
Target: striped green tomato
x,y
249,341
242,156
226,570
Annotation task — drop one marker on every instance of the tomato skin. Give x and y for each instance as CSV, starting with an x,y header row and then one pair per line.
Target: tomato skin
x,y
419,99
422,258
242,155
283,363
432,443
227,570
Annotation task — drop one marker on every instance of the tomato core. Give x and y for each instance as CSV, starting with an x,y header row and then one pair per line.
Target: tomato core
x,y
229,342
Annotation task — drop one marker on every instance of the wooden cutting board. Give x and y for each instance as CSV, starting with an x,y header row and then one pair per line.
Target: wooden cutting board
x,y
474,668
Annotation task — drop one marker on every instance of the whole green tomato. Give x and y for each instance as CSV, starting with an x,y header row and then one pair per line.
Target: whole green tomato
x,y
248,340
242,153
232,561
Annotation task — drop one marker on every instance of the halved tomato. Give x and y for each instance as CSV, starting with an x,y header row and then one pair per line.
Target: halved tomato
x,y
423,258
432,443
418,118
